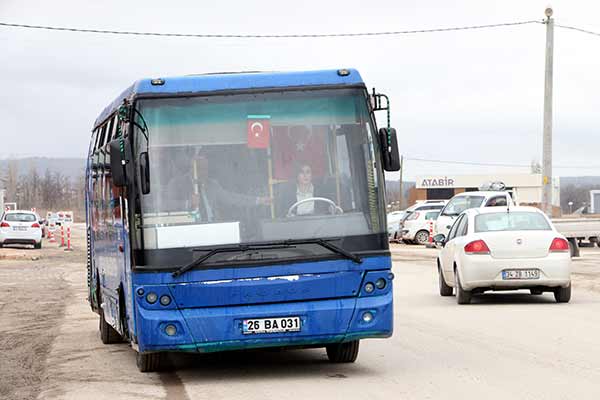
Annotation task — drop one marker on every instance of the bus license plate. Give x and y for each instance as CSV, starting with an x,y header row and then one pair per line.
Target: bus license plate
x,y
520,274
271,325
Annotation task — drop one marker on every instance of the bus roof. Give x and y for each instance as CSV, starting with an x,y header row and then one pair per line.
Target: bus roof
x,y
207,83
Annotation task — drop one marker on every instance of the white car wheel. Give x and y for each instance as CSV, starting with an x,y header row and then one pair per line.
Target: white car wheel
x,y
445,290
422,237
462,296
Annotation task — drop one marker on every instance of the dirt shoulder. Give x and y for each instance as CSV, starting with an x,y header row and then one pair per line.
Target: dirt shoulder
x,y
33,293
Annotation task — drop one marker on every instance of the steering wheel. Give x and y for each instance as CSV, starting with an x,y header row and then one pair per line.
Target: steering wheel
x,y
333,208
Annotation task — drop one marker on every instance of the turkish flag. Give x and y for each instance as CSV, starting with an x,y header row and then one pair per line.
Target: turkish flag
x,y
299,145
258,132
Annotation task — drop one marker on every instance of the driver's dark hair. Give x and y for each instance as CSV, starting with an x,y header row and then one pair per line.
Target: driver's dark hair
x,y
298,164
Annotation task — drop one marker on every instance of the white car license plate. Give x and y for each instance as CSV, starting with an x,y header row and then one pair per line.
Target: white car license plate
x,y
271,325
521,274
19,228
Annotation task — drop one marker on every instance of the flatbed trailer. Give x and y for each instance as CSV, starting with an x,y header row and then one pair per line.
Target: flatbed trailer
x,y
578,229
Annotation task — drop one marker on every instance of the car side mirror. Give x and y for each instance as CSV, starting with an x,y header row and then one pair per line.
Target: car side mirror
x,y
439,240
118,160
389,149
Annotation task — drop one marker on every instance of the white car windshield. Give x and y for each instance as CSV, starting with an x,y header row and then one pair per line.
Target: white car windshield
x,y
20,217
511,221
462,203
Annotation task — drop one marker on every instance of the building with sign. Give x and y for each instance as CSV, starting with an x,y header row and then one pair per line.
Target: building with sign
x,y
526,189
595,201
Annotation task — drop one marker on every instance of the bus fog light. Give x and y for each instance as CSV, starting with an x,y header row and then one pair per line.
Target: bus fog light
x,y
369,287
171,330
380,283
151,297
165,300
367,317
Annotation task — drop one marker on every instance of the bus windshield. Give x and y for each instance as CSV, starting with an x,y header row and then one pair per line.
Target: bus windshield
x,y
260,167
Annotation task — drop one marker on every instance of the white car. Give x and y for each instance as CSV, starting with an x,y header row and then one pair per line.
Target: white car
x,y
420,207
51,219
468,200
20,227
503,248
393,219
416,227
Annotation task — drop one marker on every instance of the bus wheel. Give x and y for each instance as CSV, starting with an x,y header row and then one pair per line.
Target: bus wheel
x,y
149,362
108,334
343,352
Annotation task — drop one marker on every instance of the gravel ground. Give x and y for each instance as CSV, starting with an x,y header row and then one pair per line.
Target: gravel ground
x,y
33,294
43,312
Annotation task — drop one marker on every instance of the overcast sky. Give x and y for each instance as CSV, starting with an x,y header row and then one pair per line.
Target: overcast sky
x,y
472,95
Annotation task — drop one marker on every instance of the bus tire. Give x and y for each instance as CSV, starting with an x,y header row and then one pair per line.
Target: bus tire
x,y
108,334
343,352
149,362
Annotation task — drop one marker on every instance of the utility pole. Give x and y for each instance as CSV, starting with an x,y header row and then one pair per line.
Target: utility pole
x,y
401,196
547,141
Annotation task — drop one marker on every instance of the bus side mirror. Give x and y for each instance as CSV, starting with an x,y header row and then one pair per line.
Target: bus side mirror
x,y
117,162
389,149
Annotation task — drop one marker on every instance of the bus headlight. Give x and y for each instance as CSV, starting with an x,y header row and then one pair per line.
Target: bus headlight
x,y
165,300
171,330
369,287
151,297
380,283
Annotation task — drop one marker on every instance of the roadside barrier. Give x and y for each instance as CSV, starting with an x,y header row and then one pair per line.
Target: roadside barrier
x,y
62,235
69,248
51,238
430,231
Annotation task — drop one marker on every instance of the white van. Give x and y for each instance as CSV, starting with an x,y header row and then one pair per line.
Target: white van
x,y
468,200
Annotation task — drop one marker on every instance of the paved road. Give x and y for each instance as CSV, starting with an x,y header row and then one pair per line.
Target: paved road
x,y
501,347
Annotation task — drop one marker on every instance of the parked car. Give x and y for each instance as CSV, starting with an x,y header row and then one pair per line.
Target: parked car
x,y
68,219
51,219
468,200
42,223
393,219
416,227
60,218
503,248
420,207
20,227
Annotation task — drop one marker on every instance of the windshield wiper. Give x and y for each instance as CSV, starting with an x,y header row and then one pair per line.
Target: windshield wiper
x,y
241,247
283,244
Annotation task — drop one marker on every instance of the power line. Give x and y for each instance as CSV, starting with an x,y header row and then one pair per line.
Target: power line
x,y
267,36
574,28
481,164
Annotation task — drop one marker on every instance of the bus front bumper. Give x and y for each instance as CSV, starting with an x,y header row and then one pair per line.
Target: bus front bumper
x,y
220,328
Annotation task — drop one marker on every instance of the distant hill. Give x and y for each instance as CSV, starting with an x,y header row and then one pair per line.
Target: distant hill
x,y
70,167
580,181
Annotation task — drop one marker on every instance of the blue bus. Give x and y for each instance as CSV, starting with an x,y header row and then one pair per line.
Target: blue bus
x,y
240,210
